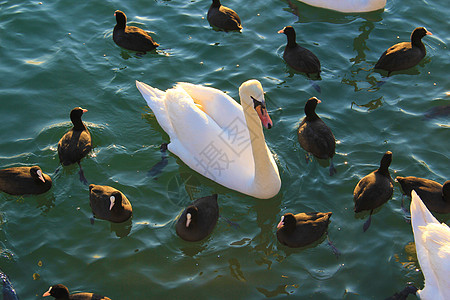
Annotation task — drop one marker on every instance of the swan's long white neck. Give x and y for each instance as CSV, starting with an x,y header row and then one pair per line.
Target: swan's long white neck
x,y
267,180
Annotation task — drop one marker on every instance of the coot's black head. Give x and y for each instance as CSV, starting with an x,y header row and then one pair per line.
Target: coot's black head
x,y
58,291
115,201
191,215
77,112
288,30
310,107
288,222
36,174
75,117
215,3
446,191
418,34
121,19
290,33
386,162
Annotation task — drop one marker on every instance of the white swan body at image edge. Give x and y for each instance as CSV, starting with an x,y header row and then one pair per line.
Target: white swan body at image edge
x,y
432,241
208,131
348,6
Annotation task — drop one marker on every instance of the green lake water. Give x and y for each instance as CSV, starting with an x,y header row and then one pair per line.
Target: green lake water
x,y
56,55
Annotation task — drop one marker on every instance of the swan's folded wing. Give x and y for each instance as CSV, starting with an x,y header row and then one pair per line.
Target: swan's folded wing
x,y
199,142
219,106
435,261
432,241
156,99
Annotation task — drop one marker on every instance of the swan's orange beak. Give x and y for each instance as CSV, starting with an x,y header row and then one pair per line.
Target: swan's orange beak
x,y
264,116
260,107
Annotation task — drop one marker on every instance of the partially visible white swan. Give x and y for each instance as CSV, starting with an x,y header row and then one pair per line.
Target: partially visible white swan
x,y
217,137
348,6
432,241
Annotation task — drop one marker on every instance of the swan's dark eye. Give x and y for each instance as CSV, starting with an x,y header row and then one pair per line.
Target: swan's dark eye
x,y
256,103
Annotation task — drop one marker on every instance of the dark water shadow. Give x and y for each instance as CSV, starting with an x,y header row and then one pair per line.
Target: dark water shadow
x,y
127,54
192,249
122,229
289,251
441,111
368,216
365,213
181,184
150,119
278,291
235,269
367,107
353,79
45,201
157,168
267,212
414,71
311,78
359,43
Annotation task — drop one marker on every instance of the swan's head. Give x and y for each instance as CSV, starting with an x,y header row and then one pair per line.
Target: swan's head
x,y
252,99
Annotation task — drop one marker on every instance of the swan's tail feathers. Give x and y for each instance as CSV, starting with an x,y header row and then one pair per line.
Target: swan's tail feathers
x,y
420,215
156,100
151,95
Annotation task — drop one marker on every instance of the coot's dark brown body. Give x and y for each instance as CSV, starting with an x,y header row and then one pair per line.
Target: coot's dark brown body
x,y
302,229
434,195
131,37
404,55
24,181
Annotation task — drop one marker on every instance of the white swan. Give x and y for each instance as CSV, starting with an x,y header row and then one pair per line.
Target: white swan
x,y
348,6
433,251
217,137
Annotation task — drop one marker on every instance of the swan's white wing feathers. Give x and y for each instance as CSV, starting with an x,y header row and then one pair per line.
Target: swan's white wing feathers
x,y
218,105
200,142
209,132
